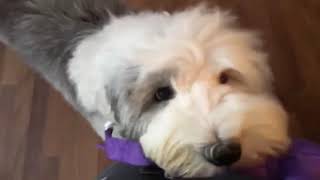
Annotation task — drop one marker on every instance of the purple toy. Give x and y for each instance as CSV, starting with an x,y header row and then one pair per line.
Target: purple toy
x,y
302,162
122,150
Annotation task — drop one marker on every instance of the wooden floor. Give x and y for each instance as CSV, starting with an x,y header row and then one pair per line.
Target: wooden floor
x,y
42,138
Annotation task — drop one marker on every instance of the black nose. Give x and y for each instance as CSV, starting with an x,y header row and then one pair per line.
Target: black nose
x,y
223,153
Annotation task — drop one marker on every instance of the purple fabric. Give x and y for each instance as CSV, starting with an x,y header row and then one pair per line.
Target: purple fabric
x,y
302,162
125,151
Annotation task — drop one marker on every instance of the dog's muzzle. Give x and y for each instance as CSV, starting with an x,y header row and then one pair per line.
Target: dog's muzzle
x,y
223,153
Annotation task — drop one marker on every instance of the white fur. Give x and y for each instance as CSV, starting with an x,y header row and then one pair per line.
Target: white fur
x,y
200,114
100,56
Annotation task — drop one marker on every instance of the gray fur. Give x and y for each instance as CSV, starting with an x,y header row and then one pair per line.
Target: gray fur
x,y
45,33
132,99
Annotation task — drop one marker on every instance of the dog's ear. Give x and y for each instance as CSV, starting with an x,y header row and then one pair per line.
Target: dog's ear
x,y
101,91
119,88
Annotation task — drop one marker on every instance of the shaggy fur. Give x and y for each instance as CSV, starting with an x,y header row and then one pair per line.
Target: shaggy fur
x,y
46,32
109,63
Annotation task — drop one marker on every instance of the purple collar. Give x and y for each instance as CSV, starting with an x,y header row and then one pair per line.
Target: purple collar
x,y
302,162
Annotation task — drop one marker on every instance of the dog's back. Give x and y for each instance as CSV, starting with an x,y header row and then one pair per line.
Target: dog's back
x,y
14,13
45,32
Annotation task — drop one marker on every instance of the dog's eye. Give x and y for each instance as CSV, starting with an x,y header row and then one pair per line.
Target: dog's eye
x,y
224,78
163,94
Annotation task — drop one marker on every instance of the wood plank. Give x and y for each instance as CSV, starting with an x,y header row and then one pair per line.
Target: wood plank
x,y
19,126
7,95
13,68
34,135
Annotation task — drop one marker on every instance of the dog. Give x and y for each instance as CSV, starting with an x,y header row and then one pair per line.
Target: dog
x,y
191,86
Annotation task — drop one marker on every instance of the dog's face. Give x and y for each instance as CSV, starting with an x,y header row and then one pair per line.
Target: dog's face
x,y
196,91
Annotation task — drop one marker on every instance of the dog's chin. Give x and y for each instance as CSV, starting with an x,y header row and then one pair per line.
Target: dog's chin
x,y
179,160
173,141
183,161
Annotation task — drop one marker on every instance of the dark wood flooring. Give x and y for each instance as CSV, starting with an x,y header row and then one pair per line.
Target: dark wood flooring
x,y
42,138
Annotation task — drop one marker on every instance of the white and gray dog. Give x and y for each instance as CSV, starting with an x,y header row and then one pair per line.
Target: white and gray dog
x,y
191,86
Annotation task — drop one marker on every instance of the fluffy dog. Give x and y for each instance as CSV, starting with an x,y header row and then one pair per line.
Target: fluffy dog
x,y
191,86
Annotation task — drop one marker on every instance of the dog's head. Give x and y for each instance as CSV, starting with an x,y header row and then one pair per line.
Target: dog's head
x,y
193,88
